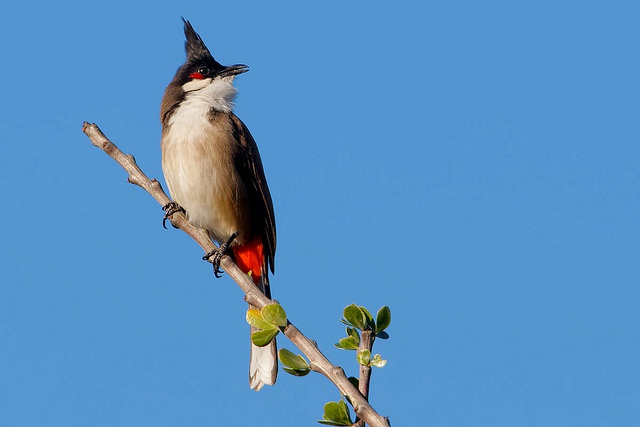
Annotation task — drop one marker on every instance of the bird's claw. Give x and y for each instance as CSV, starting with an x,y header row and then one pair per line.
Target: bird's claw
x,y
169,209
215,256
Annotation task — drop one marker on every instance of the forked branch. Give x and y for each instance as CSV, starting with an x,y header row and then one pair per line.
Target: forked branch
x,y
253,295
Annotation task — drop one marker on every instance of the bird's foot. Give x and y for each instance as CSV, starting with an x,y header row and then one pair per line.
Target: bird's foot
x,y
215,256
169,209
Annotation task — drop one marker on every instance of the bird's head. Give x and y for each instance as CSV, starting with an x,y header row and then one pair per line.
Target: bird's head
x,y
201,69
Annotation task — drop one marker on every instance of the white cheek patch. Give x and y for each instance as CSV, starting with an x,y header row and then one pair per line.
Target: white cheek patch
x,y
210,93
196,84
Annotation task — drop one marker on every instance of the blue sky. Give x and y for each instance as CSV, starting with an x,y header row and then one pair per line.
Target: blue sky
x,y
472,165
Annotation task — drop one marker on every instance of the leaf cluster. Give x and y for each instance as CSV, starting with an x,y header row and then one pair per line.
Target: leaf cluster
x,y
336,414
358,320
268,321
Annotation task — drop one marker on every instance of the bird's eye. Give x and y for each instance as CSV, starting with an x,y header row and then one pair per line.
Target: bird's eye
x,y
200,74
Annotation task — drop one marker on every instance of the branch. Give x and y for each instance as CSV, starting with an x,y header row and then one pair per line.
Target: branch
x,y
366,343
253,295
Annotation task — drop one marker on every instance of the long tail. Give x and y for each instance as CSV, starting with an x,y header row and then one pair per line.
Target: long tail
x,y
263,364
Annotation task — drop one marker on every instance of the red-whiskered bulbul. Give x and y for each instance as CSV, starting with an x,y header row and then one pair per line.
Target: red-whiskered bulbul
x,y
213,169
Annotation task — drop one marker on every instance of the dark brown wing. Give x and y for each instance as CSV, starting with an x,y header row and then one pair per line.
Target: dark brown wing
x,y
249,165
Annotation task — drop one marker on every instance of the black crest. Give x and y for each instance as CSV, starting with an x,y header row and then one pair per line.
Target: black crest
x,y
194,46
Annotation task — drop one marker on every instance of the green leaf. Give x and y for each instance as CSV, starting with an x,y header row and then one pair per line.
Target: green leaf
x,y
347,343
378,361
274,314
354,316
293,361
296,372
368,319
255,319
364,357
345,410
354,381
336,414
263,337
383,319
331,423
351,342
382,335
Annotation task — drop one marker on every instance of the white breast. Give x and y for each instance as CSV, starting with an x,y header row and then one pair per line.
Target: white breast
x,y
197,159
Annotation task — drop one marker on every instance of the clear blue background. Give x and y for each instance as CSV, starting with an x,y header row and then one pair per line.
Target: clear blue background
x,y
473,165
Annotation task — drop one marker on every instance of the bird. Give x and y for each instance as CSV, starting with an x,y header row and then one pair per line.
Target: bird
x,y
214,172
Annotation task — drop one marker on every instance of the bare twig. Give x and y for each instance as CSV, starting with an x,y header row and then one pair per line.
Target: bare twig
x,y
253,295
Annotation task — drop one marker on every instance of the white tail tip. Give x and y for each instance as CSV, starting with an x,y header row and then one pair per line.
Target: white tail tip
x,y
263,366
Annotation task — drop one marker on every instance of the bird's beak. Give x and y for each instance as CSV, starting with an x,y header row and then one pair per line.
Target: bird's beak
x,y
233,70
